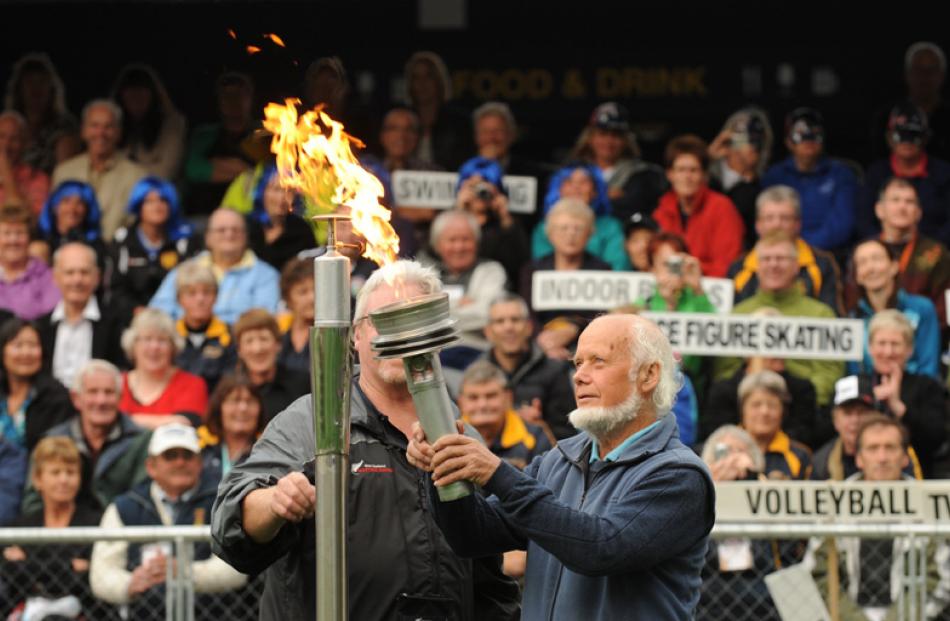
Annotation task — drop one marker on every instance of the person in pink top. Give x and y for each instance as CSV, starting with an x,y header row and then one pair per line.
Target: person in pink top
x,y
708,220
20,183
156,392
26,283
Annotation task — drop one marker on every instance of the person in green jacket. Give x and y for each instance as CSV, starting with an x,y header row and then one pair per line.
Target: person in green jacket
x,y
780,289
678,285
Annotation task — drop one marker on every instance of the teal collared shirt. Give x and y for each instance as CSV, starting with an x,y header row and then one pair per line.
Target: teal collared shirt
x,y
615,454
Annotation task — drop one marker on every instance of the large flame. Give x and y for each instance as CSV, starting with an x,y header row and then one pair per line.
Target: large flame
x,y
314,156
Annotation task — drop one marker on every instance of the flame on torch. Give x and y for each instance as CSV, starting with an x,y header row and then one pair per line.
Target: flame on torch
x,y
314,157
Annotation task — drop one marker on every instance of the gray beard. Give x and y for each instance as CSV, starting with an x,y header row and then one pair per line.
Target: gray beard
x,y
603,422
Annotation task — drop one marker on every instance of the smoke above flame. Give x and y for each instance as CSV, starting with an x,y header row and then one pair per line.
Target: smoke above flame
x,y
315,157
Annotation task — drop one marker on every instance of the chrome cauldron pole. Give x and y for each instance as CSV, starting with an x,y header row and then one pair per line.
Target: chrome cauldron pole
x,y
415,330
330,375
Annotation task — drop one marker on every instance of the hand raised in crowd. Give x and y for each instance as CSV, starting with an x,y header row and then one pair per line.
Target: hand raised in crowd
x,y
293,498
148,574
889,391
692,273
14,554
531,412
719,147
733,467
462,458
80,565
554,341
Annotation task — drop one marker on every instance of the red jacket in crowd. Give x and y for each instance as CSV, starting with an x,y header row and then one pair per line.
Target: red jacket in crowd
x,y
713,232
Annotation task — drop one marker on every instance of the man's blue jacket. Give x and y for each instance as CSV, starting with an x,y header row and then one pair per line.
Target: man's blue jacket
x,y
621,539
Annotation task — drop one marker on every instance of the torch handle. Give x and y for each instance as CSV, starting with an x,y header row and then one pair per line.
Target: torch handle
x,y
434,408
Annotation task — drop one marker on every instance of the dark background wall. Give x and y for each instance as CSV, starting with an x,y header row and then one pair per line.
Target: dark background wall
x,y
678,66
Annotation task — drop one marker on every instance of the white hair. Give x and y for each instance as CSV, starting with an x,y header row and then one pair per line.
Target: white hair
x,y
924,46
495,108
406,273
151,319
752,449
647,345
779,194
90,254
442,220
112,106
96,365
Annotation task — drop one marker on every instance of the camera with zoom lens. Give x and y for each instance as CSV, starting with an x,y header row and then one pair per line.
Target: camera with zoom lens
x,y
484,192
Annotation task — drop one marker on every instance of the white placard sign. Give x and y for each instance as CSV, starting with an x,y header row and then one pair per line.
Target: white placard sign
x,y
833,501
605,290
436,190
946,305
806,338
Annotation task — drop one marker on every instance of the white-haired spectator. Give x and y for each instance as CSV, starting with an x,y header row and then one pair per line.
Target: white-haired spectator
x,y
156,392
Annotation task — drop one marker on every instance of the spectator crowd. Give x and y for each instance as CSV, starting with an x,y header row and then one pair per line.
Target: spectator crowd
x,y
156,291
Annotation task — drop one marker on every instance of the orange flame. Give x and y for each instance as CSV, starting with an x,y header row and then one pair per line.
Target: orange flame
x,y
314,156
232,34
275,39
253,49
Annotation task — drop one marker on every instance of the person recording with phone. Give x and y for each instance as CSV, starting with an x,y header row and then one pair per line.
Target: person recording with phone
x,y
482,193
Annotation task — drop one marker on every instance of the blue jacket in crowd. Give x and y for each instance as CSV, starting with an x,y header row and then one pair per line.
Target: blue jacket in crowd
x,y
921,313
620,538
13,459
828,196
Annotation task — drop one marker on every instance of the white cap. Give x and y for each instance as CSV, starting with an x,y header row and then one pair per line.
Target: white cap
x,y
174,435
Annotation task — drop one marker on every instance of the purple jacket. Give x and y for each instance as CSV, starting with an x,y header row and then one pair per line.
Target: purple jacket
x,y
31,294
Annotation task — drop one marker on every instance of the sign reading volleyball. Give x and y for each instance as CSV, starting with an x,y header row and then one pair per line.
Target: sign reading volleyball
x,y
776,337
436,190
606,290
833,501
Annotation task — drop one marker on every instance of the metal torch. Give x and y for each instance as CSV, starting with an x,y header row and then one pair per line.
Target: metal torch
x,y
415,330
331,370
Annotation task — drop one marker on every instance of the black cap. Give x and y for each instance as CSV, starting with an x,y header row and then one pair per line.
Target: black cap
x,y
805,124
640,221
854,388
907,123
610,116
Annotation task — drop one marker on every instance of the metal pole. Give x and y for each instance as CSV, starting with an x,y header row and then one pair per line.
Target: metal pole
x,y
330,374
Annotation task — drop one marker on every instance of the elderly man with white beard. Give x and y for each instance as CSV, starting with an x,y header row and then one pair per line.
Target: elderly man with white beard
x,y
616,519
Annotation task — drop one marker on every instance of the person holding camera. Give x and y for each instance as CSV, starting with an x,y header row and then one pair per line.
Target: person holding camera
x,y
482,193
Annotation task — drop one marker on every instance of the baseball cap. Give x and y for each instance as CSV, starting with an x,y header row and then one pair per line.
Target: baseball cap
x,y
805,124
640,221
610,116
907,123
174,435
854,388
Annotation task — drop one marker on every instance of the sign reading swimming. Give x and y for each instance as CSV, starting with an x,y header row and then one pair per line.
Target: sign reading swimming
x,y
436,190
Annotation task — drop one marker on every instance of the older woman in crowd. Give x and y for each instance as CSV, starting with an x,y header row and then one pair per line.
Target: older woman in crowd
x,y
157,241
297,291
31,401
156,392
26,283
584,182
257,336
471,283
235,419
482,193
917,400
876,275
71,214
153,130
20,183
733,577
53,580
763,398
633,185
276,234
444,136
208,351
569,224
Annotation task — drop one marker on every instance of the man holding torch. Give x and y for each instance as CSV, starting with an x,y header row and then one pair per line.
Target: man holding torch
x,y
399,563
615,520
